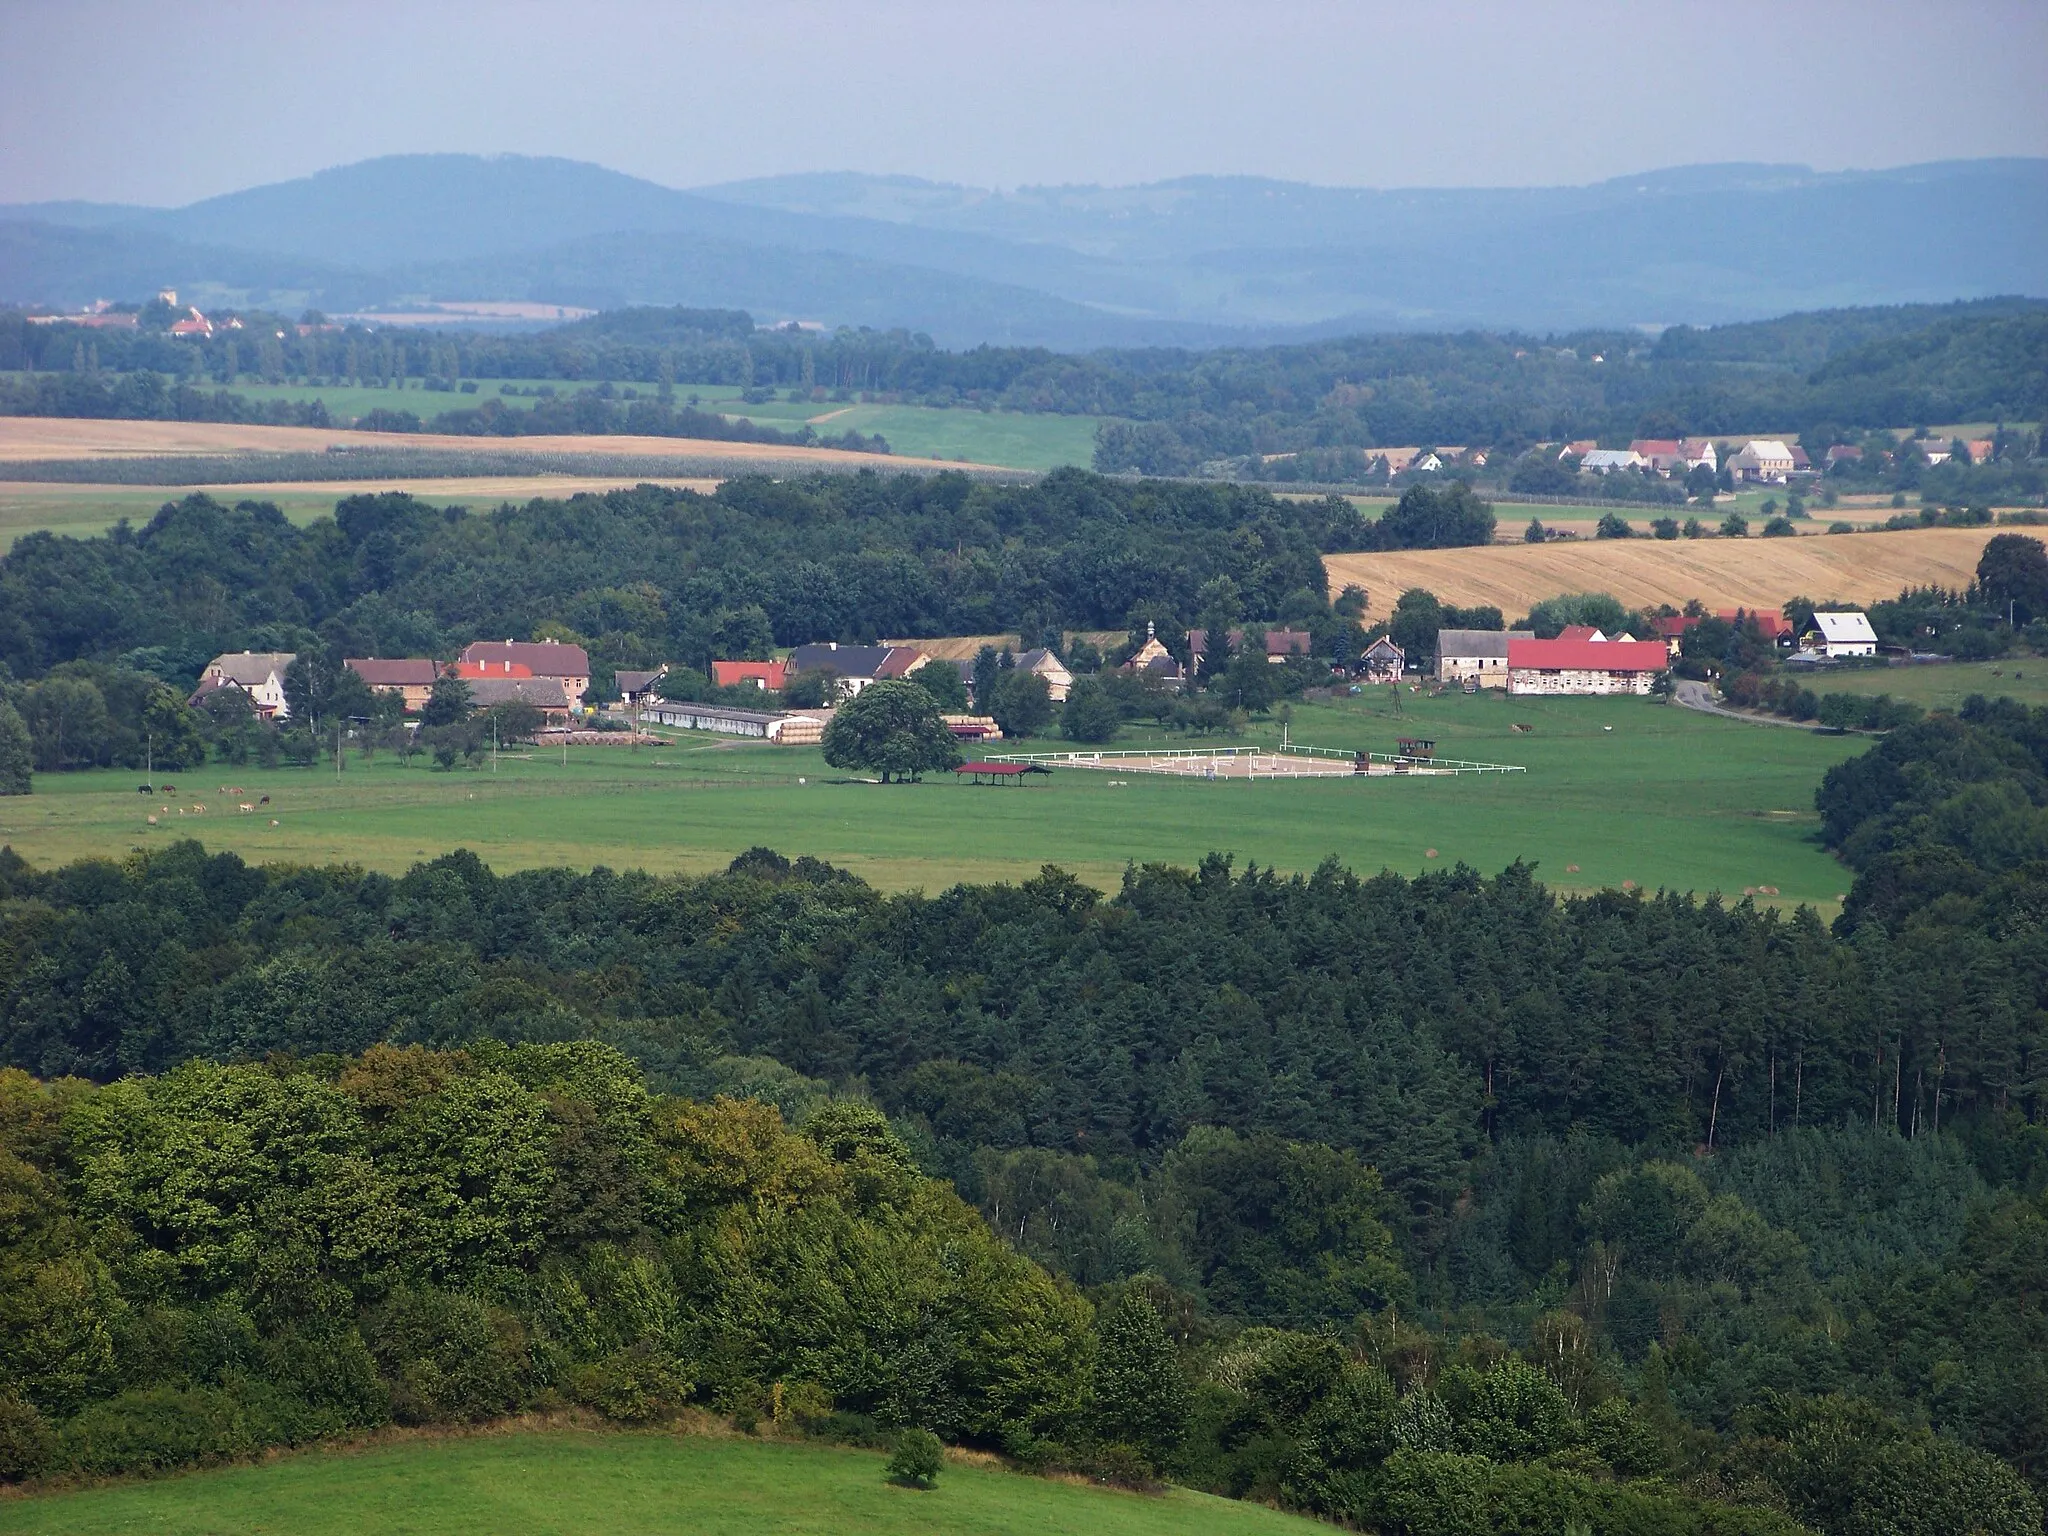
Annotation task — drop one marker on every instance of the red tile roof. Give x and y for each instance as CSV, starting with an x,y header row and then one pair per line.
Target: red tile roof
x,y
769,674
1674,627
1771,626
470,671
1589,655
545,658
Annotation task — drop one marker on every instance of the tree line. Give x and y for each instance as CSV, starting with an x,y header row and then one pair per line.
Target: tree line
x,y
1323,1232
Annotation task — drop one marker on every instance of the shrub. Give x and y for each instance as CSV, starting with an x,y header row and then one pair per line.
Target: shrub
x,y
447,1356
641,1384
918,1458
27,1447
156,1429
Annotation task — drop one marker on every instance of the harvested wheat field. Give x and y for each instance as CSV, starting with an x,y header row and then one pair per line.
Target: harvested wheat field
x,y
967,647
25,439
1722,573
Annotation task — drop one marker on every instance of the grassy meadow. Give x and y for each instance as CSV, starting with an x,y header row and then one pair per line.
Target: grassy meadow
x,y
1616,790
1010,439
1944,685
589,1484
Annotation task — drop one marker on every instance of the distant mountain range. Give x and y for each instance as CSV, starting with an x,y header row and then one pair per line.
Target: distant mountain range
x,y
1197,261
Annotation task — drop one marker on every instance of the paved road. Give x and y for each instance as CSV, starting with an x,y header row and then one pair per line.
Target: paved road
x,y
1696,695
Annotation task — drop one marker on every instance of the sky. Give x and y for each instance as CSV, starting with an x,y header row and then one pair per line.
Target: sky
x,y
138,101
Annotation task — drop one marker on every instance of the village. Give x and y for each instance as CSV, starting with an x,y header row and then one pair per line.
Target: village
x,y
554,678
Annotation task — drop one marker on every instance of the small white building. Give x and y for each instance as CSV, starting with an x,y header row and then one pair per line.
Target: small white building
x,y
1840,634
722,718
1762,460
1059,681
1697,451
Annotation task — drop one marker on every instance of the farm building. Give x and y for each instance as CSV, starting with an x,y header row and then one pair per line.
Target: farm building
x,y
540,658
1059,682
766,675
259,674
856,665
636,686
1762,460
1480,654
1695,451
1603,461
724,719
1382,662
1840,634
1154,661
1663,454
549,695
1584,666
410,677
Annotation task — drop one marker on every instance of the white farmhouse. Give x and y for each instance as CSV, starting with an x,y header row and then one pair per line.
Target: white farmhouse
x,y
1840,634
259,674
1763,460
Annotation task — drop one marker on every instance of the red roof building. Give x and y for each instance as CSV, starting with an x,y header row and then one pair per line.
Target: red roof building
x,y
472,671
1772,626
769,675
410,677
1585,666
541,658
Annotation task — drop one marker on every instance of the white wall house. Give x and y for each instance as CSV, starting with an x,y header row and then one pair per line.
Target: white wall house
x,y
1840,634
260,674
1762,460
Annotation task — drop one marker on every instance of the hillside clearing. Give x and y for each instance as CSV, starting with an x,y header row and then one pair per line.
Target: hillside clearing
x,y
567,1483
1722,573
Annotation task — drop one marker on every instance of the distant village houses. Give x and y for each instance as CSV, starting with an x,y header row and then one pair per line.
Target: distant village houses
x,y
1839,634
412,678
856,666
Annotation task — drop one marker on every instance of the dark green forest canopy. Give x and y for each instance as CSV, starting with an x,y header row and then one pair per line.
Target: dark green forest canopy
x,y
651,573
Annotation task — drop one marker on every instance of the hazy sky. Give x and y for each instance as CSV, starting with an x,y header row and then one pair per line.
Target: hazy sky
x,y
122,100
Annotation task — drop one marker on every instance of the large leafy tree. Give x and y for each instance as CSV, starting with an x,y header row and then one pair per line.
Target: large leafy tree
x,y
2014,570
893,729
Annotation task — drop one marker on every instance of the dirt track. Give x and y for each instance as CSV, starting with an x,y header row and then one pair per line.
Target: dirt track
x,y
1722,573
27,438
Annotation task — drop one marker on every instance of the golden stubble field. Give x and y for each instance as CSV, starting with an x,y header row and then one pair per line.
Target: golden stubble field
x,y
26,439
1751,573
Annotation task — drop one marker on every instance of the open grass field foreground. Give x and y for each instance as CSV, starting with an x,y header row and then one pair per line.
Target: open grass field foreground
x,y
1616,791
1752,573
565,1483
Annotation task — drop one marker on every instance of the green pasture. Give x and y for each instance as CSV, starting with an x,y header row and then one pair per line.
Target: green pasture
x,y
565,1483
1943,685
1624,789
86,511
1012,439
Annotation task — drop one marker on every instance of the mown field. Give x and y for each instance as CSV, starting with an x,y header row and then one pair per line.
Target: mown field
x,y
1753,573
1617,790
587,1484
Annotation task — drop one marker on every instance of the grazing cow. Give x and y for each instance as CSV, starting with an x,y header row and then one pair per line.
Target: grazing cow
x,y
144,789
273,821
264,800
152,821
245,807
167,789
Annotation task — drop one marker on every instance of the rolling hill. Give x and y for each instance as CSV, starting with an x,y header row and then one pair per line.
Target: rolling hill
x,y
1189,262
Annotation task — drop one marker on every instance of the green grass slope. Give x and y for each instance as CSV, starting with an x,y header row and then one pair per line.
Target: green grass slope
x,y
560,1483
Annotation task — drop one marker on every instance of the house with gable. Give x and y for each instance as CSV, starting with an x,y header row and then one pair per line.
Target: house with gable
x,y
259,674
540,658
